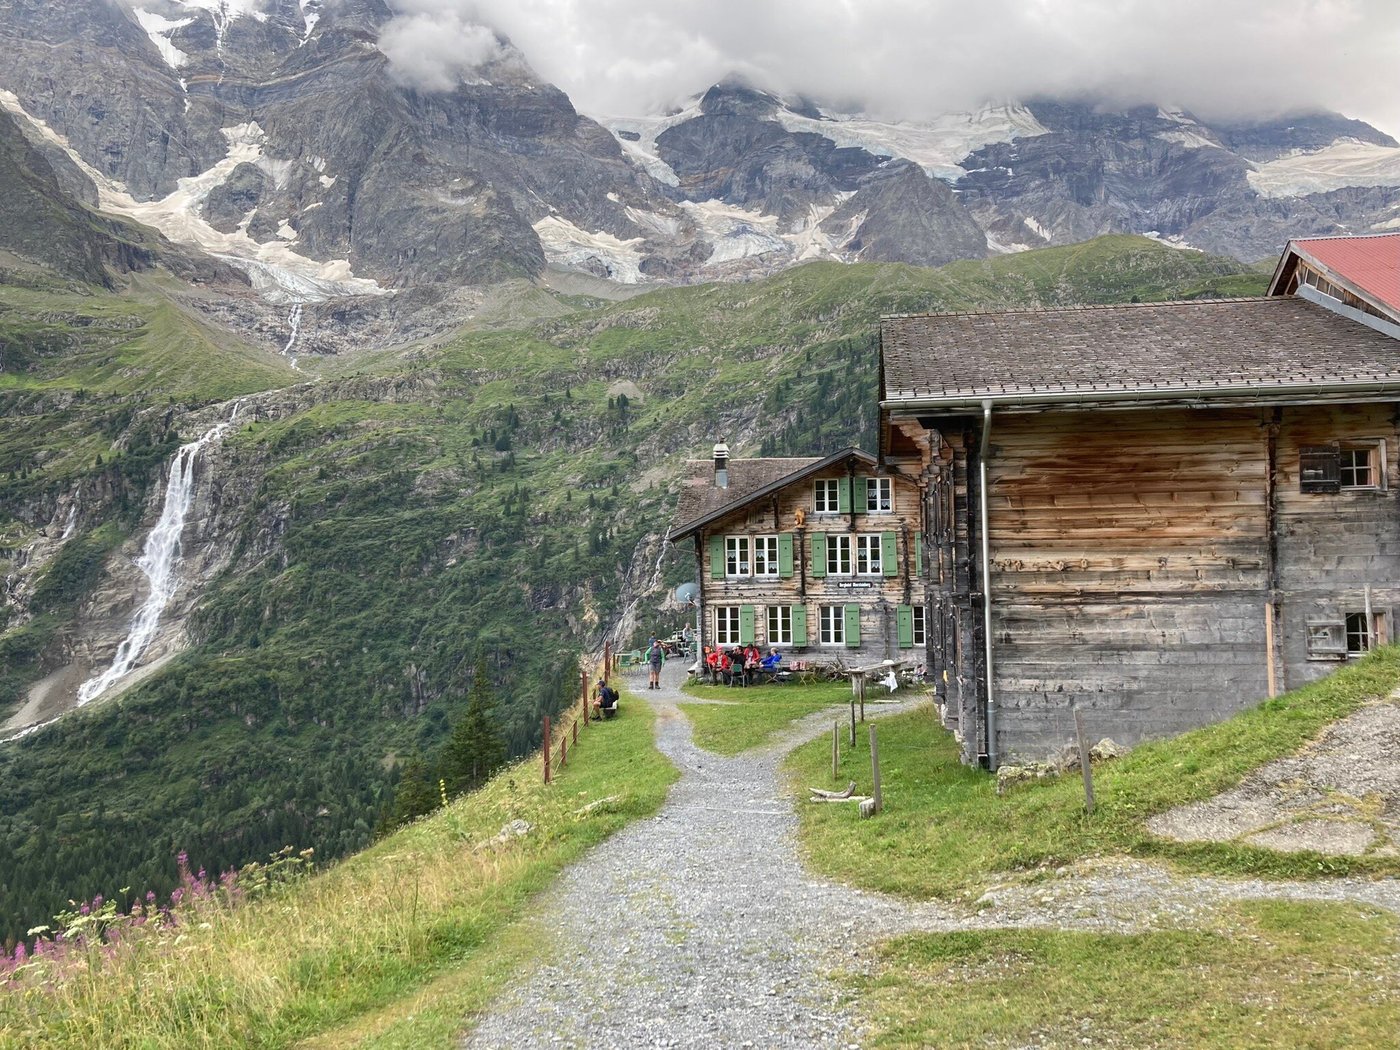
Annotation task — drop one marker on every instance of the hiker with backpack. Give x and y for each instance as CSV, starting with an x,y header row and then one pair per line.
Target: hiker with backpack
x,y
655,657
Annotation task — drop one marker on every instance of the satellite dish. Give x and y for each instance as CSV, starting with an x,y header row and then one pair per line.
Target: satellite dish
x,y
687,593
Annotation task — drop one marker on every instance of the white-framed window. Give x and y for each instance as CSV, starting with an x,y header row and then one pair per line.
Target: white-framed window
x,y
826,496
833,625
779,625
920,634
1359,466
765,555
838,555
879,495
726,625
736,556
868,555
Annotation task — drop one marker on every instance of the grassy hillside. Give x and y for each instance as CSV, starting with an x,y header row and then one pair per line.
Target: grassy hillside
x,y
496,497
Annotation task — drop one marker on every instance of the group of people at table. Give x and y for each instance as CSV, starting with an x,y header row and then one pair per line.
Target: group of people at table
x,y
740,666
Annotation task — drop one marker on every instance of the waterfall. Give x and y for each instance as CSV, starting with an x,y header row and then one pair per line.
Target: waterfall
x,y
294,321
626,621
159,561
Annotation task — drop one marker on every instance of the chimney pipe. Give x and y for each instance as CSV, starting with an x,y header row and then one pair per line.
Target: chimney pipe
x,y
721,466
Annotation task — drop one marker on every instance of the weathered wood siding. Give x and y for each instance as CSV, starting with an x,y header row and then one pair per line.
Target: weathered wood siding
x,y
879,598
1135,558
1331,546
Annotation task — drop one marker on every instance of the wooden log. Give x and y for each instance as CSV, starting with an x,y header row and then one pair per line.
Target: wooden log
x,y
833,796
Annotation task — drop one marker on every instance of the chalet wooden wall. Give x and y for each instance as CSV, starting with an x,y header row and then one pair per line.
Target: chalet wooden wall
x,y
1136,556
879,597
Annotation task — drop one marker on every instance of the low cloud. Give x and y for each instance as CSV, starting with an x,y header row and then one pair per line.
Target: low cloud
x,y
434,46
916,58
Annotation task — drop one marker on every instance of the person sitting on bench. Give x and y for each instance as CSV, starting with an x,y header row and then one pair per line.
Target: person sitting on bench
x,y
605,705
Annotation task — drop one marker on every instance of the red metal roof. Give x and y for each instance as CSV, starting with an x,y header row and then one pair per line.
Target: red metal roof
x,y
1372,262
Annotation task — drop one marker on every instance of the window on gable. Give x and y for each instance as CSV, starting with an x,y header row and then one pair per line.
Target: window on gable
x,y
826,496
838,555
736,556
868,555
879,495
765,556
726,625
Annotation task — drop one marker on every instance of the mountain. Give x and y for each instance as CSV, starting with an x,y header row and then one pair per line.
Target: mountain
x,y
352,546
277,134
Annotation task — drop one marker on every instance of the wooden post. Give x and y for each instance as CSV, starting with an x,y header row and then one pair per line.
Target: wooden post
x,y
853,720
1084,761
583,691
607,658
860,695
875,771
575,731
563,750
1269,646
547,747
835,748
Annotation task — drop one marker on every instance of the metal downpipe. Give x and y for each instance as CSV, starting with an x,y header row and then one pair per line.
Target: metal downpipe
x,y
985,451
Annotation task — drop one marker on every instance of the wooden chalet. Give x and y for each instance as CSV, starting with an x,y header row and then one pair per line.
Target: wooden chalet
x,y
1158,513
1360,272
816,557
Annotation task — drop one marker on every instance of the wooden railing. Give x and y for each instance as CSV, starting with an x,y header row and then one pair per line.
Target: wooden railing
x,y
562,736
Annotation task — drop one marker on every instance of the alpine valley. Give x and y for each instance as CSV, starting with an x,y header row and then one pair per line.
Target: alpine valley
x,y
319,392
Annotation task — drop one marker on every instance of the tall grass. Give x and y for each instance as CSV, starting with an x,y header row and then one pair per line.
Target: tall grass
x,y
318,952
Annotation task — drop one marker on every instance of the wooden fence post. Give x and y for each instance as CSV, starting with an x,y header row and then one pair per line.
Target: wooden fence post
x,y
853,719
860,694
1084,761
547,748
563,750
835,748
583,691
875,771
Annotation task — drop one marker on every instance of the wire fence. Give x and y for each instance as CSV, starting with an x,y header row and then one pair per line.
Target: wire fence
x,y
561,735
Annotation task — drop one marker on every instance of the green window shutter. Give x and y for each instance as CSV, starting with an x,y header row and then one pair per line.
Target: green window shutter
x,y
904,619
860,495
716,557
918,554
785,555
888,563
818,554
852,626
843,495
745,624
799,625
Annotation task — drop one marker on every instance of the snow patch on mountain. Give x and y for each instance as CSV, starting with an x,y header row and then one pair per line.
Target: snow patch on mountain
x,y
1190,139
159,29
1346,162
310,15
599,253
734,233
937,146
1035,227
278,274
637,136
1171,241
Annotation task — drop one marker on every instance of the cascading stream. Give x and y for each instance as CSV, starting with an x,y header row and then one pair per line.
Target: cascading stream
x,y
159,560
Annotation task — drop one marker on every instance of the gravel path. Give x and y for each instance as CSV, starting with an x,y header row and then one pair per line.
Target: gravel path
x,y
700,927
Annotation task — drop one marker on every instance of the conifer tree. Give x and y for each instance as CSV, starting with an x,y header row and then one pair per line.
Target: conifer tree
x,y
415,795
474,750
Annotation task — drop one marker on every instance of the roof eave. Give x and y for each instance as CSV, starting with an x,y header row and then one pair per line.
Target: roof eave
x,y
1281,392
696,524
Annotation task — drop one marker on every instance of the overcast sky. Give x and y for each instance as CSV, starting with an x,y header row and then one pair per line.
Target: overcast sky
x,y
922,57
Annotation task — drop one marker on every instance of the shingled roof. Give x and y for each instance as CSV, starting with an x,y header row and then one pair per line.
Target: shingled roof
x,y
701,501
1199,348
